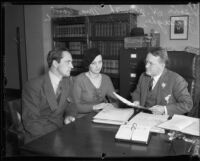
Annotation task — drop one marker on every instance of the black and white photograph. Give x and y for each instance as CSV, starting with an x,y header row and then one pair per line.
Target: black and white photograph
x,y
100,81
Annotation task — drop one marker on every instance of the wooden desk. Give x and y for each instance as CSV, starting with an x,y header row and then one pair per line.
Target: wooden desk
x,y
86,139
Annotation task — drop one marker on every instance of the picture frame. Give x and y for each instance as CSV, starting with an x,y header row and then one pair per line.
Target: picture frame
x,y
179,27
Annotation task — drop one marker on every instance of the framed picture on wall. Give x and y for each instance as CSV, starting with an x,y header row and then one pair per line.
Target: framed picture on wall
x,y
179,27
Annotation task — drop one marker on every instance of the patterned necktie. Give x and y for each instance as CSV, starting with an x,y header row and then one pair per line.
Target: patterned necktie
x,y
151,84
59,91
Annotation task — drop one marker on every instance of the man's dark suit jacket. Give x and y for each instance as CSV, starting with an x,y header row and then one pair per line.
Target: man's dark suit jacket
x,y
40,111
172,92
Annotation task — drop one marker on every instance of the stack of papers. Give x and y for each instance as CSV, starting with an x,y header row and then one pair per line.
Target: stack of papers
x,y
113,115
184,124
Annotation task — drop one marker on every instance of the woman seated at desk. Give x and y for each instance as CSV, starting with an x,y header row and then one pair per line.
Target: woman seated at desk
x,y
93,90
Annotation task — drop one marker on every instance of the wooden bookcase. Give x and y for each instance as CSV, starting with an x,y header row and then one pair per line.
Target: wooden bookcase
x,y
71,32
106,32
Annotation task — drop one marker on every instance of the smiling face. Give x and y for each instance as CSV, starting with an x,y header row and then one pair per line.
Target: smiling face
x,y
96,65
65,65
154,65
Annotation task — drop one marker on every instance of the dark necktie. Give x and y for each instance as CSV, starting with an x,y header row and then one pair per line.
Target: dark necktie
x,y
59,91
151,84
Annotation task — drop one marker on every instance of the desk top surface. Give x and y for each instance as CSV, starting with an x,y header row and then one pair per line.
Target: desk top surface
x,y
83,138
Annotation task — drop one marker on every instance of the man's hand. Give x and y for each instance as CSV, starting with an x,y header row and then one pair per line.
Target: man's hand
x,y
136,103
158,109
69,119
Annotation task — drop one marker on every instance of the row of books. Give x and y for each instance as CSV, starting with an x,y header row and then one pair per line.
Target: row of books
x,y
76,48
118,29
77,30
109,66
108,48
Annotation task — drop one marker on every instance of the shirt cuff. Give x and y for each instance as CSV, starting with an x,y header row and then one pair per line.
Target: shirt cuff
x,y
166,113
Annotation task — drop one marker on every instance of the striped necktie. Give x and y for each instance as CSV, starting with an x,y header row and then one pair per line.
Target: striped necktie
x,y
59,91
151,84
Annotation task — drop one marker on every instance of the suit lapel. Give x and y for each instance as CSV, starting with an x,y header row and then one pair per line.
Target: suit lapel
x,y
51,98
160,88
65,90
145,88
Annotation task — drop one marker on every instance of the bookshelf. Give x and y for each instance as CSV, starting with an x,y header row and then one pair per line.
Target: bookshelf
x,y
71,32
106,32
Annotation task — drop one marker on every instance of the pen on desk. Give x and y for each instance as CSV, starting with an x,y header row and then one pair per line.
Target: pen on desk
x,y
190,148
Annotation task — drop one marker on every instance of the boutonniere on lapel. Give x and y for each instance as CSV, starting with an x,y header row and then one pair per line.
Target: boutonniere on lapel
x,y
68,100
167,98
163,85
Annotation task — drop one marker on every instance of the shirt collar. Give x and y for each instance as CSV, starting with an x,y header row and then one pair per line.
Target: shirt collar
x,y
54,79
155,78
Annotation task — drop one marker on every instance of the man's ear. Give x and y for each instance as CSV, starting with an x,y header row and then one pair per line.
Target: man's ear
x,y
55,63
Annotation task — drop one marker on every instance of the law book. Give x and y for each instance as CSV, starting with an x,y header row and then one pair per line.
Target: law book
x,y
113,115
133,133
128,103
184,124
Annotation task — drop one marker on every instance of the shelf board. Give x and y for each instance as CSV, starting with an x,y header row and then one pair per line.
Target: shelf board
x,y
78,39
104,38
76,56
112,75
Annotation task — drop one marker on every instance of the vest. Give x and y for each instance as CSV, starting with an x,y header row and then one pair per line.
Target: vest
x,y
152,96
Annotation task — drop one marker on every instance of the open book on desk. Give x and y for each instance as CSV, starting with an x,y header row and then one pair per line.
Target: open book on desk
x,y
128,103
133,133
138,128
184,124
113,115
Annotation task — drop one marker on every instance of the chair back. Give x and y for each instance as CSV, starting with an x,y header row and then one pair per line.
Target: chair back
x,y
188,66
15,112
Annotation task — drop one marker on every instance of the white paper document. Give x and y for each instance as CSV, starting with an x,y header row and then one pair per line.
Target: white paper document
x,y
150,121
184,124
113,115
127,102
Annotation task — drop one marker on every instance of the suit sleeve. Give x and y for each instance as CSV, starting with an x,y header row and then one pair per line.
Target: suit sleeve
x,y
31,112
183,103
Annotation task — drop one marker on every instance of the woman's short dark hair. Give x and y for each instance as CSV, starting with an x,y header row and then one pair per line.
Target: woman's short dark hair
x,y
161,52
55,54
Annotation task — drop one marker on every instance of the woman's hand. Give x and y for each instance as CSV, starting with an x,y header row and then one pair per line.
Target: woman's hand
x,y
102,106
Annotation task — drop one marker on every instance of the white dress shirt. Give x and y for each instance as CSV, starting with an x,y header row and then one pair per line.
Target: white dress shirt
x,y
54,81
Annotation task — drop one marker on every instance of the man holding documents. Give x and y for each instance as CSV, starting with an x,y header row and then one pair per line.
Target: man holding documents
x,y
161,90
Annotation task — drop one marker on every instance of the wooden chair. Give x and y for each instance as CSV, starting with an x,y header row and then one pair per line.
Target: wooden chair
x,y
15,127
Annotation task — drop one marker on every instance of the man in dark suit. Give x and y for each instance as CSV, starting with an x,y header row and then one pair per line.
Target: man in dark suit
x,y
47,103
161,90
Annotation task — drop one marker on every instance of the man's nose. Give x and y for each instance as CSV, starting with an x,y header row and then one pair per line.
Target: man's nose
x,y
71,65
